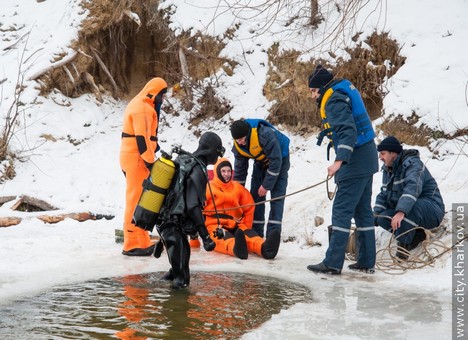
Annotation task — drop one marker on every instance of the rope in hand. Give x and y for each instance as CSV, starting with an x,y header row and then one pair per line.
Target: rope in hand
x,y
431,249
330,197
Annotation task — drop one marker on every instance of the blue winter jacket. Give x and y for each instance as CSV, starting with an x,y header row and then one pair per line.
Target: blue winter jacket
x,y
273,151
359,161
407,181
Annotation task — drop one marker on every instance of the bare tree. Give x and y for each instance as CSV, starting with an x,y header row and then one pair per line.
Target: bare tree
x,y
11,119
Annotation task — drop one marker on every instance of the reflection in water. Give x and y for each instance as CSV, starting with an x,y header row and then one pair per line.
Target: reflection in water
x,y
367,311
144,307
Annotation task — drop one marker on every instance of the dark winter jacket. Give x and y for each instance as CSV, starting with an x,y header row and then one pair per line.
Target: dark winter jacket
x,y
405,182
273,152
357,161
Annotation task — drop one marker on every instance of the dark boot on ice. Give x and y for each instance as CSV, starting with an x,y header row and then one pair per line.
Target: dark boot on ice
x,y
403,249
357,267
179,284
169,276
271,245
140,251
240,245
323,269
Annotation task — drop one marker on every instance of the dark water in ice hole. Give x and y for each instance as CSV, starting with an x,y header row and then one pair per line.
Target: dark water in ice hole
x,y
216,305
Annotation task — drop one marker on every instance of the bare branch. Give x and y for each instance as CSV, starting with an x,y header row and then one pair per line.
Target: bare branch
x,y
52,67
106,71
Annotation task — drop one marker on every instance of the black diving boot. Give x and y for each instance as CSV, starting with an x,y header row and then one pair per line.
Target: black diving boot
x,y
140,251
169,276
271,245
240,245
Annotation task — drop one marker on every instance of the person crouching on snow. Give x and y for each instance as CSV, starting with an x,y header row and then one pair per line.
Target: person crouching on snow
x,y
409,196
230,206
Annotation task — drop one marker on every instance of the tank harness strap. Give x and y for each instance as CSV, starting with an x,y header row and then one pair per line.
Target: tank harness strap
x,y
147,185
328,150
225,216
127,135
322,135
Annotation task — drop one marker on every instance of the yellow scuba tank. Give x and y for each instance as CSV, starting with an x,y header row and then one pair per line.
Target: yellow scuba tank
x,y
155,188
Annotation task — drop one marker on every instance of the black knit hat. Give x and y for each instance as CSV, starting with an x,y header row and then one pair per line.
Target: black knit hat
x,y
239,129
390,144
319,78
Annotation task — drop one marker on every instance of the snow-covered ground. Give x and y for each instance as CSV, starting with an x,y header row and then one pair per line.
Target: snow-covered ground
x,y
36,256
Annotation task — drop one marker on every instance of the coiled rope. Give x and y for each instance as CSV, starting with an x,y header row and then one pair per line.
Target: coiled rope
x,y
424,255
387,261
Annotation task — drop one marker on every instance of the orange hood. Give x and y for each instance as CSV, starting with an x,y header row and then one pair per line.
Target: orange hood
x,y
152,89
217,172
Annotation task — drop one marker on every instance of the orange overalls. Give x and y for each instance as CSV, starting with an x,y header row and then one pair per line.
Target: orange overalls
x,y
137,152
235,208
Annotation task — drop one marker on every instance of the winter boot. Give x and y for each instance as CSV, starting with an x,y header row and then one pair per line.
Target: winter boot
x,y
169,276
357,267
240,245
179,284
323,269
271,245
140,251
419,236
404,249
137,242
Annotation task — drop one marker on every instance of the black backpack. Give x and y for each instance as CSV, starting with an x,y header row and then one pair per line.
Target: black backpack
x,y
174,204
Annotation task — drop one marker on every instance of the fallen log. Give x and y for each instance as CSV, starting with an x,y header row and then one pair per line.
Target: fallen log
x,y
52,219
5,199
80,217
36,203
9,221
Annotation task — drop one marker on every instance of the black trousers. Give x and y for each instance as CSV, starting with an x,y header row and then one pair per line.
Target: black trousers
x,y
178,250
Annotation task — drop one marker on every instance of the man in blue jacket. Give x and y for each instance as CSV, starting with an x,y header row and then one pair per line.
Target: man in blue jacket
x,y
259,140
349,129
409,196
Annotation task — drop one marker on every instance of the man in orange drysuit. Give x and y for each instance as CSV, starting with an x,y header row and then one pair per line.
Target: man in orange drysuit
x,y
137,154
233,210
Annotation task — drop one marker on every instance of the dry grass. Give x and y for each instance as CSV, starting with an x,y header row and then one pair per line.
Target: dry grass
x,y
7,168
406,131
133,54
287,80
210,106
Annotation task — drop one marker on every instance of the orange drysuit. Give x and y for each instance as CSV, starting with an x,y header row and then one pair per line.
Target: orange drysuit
x,y
137,153
235,209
